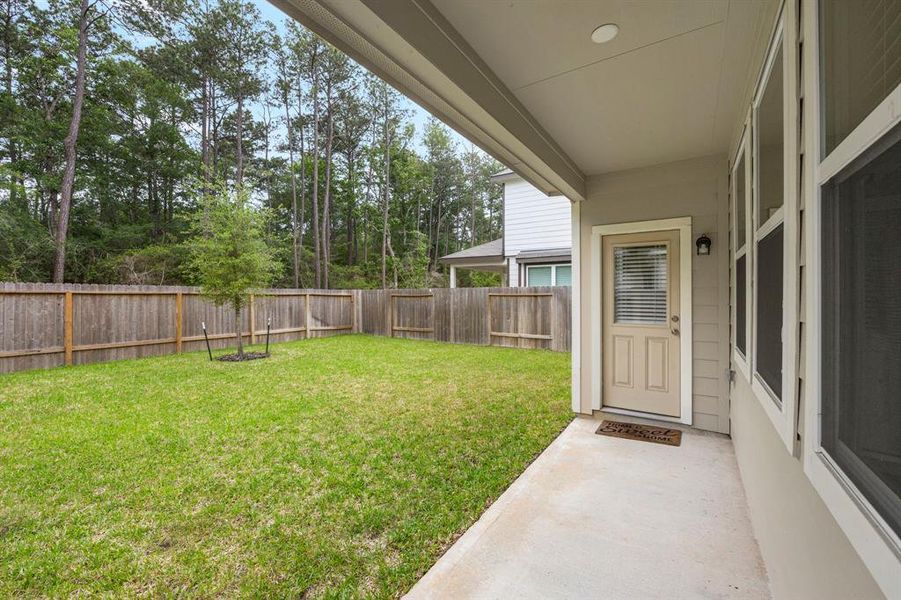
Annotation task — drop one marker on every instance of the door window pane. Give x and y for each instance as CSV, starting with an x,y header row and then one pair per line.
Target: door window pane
x,y
861,424
564,275
770,164
539,275
769,310
640,284
860,53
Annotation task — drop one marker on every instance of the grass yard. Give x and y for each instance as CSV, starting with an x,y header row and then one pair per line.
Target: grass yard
x,y
340,467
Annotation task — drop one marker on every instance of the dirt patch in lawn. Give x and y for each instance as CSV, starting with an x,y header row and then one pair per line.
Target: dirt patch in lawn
x,y
247,356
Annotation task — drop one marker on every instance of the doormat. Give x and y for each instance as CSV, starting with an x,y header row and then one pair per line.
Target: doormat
x,y
643,433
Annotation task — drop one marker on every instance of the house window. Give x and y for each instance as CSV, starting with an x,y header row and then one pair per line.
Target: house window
x,y
769,133
854,457
740,198
770,147
861,349
861,62
741,305
769,310
548,275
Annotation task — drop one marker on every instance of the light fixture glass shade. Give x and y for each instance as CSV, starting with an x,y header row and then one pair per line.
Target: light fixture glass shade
x,y
604,33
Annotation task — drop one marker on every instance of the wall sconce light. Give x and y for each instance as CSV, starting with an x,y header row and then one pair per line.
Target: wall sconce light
x,y
703,244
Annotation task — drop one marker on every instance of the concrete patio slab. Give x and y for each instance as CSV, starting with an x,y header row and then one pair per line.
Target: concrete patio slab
x,y
603,517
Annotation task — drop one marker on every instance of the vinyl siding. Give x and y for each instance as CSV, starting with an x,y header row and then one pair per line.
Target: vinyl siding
x,y
533,221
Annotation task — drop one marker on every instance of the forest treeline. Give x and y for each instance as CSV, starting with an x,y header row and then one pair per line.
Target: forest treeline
x,y
116,117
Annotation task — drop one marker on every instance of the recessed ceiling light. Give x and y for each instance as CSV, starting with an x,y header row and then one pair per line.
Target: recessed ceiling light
x,y
604,33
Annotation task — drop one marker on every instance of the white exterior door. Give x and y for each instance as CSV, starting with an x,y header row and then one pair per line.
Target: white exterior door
x,y
641,322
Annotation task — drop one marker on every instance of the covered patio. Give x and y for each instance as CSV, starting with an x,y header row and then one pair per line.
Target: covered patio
x,y
732,167
601,517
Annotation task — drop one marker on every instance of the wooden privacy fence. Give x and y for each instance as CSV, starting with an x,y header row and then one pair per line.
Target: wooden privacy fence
x,y
537,317
46,325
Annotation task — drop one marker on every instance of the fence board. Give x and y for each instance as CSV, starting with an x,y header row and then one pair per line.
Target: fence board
x,y
39,328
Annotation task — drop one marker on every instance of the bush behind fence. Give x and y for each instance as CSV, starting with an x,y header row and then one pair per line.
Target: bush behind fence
x,y
48,325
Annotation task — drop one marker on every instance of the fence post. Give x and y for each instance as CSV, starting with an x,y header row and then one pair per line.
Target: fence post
x,y
67,322
390,314
178,320
451,300
306,317
488,313
253,321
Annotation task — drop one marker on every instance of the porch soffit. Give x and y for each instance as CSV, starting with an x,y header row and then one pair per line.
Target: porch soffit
x,y
671,86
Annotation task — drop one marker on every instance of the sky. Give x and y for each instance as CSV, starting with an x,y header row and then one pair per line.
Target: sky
x,y
418,115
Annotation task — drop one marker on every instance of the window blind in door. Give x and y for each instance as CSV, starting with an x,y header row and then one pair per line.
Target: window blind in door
x,y
640,282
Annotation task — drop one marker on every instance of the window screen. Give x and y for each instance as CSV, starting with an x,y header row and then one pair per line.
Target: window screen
x,y
861,421
640,284
770,146
741,304
539,275
860,55
769,310
740,204
564,275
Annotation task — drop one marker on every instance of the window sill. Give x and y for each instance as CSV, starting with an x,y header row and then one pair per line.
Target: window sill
x,y
741,363
774,410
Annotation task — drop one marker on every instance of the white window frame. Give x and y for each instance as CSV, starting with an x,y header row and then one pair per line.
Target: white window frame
x,y
874,541
743,151
782,412
553,272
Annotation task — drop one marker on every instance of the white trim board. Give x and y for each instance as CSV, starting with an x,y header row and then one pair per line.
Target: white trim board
x,y
874,541
576,308
683,224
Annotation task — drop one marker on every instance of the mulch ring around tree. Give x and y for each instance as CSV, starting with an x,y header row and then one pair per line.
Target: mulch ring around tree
x,y
247,356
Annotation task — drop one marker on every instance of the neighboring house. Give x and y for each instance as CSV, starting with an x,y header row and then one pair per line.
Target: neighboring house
x,y
734,172
537,243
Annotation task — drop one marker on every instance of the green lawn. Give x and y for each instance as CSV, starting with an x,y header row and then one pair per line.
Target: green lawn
x,y
338,467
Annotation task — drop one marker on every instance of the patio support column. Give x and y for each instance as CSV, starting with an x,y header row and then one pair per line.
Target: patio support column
x,y
576,309
453,276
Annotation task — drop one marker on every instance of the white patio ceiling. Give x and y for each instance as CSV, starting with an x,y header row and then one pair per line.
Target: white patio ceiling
x,y
522,78
669,86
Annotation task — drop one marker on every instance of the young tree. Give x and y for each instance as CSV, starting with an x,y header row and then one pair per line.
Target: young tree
x,y
228,251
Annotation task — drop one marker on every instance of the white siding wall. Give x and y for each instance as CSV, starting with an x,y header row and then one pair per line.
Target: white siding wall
x,y
533,221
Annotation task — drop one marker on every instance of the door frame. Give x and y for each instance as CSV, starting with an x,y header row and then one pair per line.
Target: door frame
x,y
683,225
